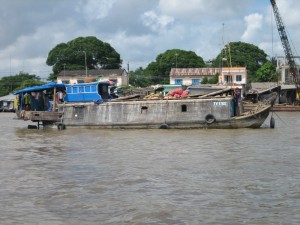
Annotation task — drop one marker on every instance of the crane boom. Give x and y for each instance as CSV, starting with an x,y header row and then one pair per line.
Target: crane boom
x,y
286,46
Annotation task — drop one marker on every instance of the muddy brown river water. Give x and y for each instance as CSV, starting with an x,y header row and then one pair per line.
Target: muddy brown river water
x,y
186,177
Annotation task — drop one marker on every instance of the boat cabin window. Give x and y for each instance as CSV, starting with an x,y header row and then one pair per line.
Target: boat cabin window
x,y
103,91
88,89
183,108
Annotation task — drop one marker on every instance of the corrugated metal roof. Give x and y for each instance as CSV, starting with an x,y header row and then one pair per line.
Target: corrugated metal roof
x,y
194,71
206,71
101,72
7,98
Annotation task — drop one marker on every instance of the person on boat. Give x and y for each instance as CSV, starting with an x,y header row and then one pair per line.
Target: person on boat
x,y
60,96
26,101
113,92
237,101
17,102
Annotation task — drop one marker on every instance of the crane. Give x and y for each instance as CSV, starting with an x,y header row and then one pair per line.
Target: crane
x,y
287,48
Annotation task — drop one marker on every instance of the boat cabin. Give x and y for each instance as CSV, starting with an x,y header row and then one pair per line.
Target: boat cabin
x,y
39,98
87,92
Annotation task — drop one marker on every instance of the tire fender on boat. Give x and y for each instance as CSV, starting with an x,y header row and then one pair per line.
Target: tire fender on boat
x,y
61,126
164,126
32,127
272,122
210,118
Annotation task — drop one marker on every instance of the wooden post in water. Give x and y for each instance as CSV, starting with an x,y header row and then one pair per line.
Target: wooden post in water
x,y
54,99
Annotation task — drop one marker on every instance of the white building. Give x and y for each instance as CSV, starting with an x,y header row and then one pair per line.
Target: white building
x,y
118,76
284,68
233,75
194,76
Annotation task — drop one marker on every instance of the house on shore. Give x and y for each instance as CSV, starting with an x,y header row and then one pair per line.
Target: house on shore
x,y
7,103
118,76
194,76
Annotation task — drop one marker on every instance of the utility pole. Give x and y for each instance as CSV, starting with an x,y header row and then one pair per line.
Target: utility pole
x,y
128,73
85,63
64,69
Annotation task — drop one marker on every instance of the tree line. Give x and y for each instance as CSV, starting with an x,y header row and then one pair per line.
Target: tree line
x,y
9,84
91,53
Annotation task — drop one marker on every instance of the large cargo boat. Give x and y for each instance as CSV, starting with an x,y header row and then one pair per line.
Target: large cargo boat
x,y
90,105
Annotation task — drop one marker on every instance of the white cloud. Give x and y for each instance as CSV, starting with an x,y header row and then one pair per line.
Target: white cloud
x,y
179,7
195,10
138,29
155,22
253,27
29,51
289,11
95,9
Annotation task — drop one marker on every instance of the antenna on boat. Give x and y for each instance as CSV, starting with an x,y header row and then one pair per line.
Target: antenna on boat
x,y
85,63
223,34
223,58
229,54
226,54
227,48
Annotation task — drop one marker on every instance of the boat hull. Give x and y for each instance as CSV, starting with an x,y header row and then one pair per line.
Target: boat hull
x,y
176,114
212,113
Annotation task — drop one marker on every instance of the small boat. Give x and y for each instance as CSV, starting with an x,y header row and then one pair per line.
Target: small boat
x,y
275,107
91,105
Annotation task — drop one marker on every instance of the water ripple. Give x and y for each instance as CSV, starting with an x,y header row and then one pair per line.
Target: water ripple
x,y
83,176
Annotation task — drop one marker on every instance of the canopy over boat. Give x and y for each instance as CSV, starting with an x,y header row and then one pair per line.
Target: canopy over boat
x,y
47,86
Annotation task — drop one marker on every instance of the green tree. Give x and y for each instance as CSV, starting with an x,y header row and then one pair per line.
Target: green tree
x,y
204,80
138,78
52,77
80,53
8,84
266,73
214,79
241,54
159,70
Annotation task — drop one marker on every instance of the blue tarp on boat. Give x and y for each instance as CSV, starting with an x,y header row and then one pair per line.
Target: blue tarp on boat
x,y
47,86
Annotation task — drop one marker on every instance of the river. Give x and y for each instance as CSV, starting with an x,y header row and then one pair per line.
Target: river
x,y
186,177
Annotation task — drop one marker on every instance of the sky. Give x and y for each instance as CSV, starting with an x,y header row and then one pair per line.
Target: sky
x,y
139,30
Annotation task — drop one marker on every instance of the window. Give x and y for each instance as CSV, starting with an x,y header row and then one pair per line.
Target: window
x,y
183,108
195,81
228,79
178,81
65,81
115,82
80,81
144,108
88,89
75,89
238,78
81,89
69,89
